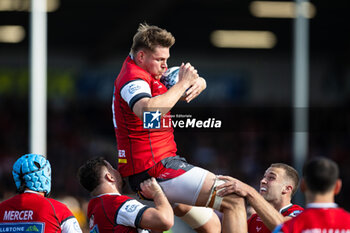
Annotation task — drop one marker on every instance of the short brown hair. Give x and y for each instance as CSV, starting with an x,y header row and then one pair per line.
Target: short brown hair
x,y
291,173
148,37
320,174
89,173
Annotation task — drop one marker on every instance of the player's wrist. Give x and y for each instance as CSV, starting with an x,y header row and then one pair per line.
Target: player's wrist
x,y
252,194
157,194
184,84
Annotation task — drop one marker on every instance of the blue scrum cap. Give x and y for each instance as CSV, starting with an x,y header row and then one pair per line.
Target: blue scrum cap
x,y
34,171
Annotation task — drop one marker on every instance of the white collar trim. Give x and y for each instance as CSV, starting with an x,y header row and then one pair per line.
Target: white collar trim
x,y
286,207
321,205
103,194
31,191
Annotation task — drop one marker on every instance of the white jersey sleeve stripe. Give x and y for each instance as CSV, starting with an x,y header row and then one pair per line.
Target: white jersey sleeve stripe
x,y
128,213
133,91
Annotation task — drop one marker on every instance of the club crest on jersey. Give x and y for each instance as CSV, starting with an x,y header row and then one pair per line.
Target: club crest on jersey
x,y
130,208
133,88
151,119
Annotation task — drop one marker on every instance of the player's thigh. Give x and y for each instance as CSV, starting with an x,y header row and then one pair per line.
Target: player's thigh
x,y
190,188
206,189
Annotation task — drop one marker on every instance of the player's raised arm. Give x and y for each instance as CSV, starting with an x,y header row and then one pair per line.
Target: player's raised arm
x,y
187,77
270,216
273,201
161,217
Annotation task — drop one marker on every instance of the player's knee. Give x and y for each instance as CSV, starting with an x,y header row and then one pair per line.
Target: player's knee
x,y
215,201
197,217
229,202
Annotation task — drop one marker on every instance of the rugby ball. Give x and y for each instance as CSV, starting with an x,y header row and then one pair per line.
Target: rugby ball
x,y
170,77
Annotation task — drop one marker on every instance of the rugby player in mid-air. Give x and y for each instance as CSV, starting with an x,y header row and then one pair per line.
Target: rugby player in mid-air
x,y
145,153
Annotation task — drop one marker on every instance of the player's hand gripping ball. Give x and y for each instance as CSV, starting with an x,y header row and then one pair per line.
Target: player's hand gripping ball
x,y
170,77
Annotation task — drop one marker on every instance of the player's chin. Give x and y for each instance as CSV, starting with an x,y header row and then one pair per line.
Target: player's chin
x,y
157,76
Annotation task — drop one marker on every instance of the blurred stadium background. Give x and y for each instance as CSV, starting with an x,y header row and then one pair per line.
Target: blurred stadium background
x,y
250,87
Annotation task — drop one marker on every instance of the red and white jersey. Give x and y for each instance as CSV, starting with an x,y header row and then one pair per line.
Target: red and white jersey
x,y
31,212
138,148
318,217
113,212
256,225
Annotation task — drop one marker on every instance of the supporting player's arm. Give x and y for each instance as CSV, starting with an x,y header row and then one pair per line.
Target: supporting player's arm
x,y
187,77
161,217
269,215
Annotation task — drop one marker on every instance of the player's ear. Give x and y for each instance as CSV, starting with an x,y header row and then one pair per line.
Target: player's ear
x,y
140,56
337,186
287,188
109,177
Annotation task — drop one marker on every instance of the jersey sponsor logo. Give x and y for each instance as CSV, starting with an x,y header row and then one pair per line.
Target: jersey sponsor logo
x,y
130,208
258,229
27,227
151,120
15,215
121,156
133,88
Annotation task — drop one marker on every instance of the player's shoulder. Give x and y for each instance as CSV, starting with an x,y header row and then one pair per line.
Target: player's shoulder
x,y
253,218
292,211
295,207
57,205
112,198
5,203
345,214
131,72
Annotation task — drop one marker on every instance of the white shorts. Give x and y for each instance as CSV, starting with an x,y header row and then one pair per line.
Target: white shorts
x,y
186,187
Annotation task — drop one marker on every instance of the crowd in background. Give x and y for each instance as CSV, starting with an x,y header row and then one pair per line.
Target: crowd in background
x,y
83,130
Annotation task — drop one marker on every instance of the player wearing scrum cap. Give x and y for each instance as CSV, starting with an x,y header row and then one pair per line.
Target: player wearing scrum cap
x,y
31,210
273,201
145,153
